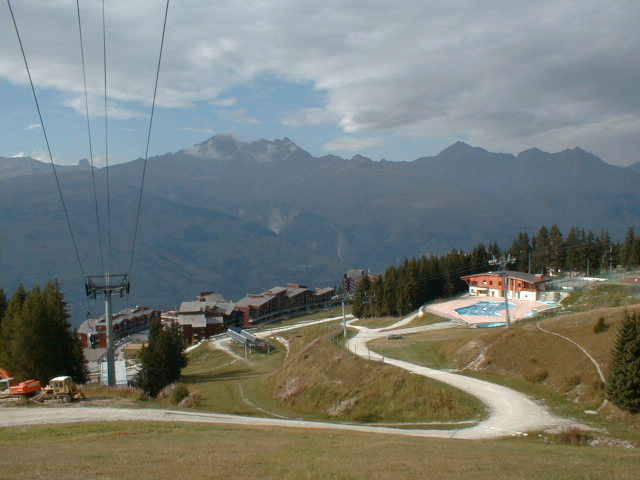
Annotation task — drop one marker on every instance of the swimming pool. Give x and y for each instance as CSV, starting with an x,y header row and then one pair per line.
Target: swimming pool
x,y
484,309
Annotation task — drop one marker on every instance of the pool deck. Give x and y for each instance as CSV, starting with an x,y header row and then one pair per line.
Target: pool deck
x,y
522,309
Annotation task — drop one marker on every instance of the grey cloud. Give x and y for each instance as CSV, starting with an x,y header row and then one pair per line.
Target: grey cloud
x,y
503,74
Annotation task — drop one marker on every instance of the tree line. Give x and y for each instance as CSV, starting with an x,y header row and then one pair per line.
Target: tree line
x,y
403,288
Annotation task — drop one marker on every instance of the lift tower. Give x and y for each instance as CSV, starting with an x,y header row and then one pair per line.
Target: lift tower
x,y
503,262
108,284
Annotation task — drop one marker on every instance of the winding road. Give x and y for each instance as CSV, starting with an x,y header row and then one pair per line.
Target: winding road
x,y
511,412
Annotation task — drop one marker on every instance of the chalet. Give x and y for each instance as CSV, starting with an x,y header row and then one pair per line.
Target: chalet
x,y
279,301
263,306
204,318
324,297
352,279
523,286
128,321
299,297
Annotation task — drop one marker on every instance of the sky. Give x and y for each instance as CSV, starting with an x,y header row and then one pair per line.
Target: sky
x,y
395,80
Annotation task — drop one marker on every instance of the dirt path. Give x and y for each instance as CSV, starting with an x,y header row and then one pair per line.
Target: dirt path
x,y
511,412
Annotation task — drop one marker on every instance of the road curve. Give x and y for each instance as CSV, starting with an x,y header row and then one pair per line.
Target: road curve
x,y
511,413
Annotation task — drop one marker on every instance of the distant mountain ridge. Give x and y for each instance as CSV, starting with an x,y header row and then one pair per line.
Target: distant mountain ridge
x,y
238,216
11,167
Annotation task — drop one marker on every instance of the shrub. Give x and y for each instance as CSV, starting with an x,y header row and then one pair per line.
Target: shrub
x,y
600,326
574,436
190,401
179,393
571,382
538,376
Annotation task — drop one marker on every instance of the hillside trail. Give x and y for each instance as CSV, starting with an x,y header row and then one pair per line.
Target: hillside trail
x,y
511,413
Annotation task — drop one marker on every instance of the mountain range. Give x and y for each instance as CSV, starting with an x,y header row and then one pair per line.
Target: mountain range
x,y
239,217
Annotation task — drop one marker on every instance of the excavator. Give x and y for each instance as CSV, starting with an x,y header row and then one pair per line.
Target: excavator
x,y
9,388
62,389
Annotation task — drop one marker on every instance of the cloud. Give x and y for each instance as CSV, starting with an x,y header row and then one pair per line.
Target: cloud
x,y
223,102
19,155
32,126
238,115
115,110
206,131
309,116
500,74
351,144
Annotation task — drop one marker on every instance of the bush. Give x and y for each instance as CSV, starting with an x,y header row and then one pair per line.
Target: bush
x,y
190,401
574,436
179,393
538,376
600,326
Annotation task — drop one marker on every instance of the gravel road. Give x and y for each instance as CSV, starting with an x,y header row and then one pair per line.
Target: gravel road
x,y
511,412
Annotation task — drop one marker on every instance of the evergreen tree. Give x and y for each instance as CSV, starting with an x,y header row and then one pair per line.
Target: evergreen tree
x,y
162,360
37,341
630,253
521,250
3,305
541,252
557,248
575,251
623,382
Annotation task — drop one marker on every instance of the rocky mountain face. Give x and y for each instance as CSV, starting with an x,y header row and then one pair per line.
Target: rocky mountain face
x,y
239,216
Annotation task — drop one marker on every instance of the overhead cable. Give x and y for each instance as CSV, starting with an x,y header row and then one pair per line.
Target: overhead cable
x,y
146,153
86,104
46,139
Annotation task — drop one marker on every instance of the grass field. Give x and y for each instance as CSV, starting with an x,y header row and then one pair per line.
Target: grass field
x,y
320,380
425,319
602,296
126,450
377,322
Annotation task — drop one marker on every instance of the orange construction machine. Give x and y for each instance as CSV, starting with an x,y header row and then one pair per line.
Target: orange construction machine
x,y
9,388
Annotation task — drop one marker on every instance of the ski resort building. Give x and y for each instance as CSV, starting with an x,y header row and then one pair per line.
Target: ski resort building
x,y
128,321
523,286
280,301
209,315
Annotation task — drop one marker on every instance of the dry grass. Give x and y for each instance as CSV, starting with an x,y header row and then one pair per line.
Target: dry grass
x,y
156,451
377,322
424,319
320,380
323,380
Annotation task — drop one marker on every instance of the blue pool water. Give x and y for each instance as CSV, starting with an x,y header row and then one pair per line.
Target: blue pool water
x,y
484,308
490,324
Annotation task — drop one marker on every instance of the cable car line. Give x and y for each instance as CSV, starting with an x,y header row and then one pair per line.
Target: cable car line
x,y
146,153
106,136
86,104
44,131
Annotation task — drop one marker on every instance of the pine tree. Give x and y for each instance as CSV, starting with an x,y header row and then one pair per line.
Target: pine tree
x,y
162,360
37,341
542,251
623,382
557,247
3,305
